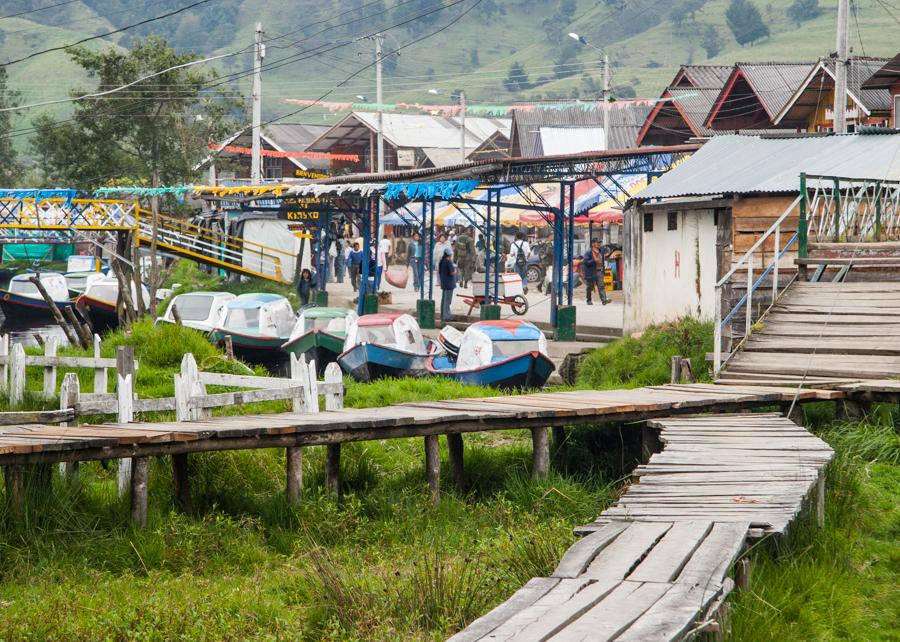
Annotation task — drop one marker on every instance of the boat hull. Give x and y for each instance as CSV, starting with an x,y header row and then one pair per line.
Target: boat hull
x,y
16,306
253,348
529,370
101,315
368,362
318,346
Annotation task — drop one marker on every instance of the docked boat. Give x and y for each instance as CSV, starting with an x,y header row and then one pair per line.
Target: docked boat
x,y
384,345
22,300
77,282
319,335
204,311
258,325
98,303
503,354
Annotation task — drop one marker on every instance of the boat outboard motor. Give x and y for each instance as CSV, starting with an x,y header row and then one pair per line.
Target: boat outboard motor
x,y
450,339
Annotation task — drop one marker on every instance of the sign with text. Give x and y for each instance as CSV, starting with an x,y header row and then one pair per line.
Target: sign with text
x,y
406,157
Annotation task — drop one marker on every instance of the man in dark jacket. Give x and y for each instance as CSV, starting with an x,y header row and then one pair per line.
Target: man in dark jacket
x,y
592,264
354,262
447,277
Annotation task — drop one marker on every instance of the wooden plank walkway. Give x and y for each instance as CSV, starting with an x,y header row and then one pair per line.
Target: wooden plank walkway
x,y
825,334
657,564
38,443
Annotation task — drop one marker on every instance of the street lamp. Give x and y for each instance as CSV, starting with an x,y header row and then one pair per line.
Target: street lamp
x,y
462,121
583,41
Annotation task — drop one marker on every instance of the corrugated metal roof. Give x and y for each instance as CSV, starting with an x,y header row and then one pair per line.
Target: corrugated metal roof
x,y
775,82
746,164
417,130
694,104
625,120
886,76
707,76
858,72
294,137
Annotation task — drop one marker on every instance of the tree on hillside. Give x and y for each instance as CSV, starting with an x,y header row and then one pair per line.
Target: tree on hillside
x,y
745,22
803,10
160,126
711,41
517,78
9,168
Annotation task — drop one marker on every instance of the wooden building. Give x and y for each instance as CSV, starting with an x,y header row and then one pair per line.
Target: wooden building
x,y
888,78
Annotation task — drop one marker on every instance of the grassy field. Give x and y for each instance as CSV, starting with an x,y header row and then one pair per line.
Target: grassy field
x,y
385,564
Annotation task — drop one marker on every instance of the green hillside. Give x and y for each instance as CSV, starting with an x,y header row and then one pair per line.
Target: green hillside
x,y
475,53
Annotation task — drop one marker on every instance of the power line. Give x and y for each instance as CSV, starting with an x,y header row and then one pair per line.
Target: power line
x,y
25,13
109,33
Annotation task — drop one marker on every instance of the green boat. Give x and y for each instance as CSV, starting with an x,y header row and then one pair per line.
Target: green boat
x,y
319,335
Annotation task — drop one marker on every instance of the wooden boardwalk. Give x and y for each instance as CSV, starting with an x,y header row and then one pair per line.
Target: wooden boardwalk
x,y
824,334
655,567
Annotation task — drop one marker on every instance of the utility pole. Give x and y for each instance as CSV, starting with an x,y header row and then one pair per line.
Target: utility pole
x,y
379,41
256,99
605,101
840,69
462,126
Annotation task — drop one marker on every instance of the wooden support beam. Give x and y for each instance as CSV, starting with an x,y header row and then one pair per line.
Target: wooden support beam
x,y
294,470
14,479
540,458
140,478
333,470
182,483
820,500
433,467
457,466
742,579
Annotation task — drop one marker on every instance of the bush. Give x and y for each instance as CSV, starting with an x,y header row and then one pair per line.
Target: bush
x,y
162,345
631,363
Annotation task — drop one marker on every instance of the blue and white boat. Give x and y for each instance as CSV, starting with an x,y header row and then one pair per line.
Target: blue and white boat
x,y
384,345
204,311
258,324
505,354
23,301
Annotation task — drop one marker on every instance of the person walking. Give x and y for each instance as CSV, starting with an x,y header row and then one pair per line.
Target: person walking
x,y
354,262
592,264
520,250
414,256
465,256
305,286
447,276
340,260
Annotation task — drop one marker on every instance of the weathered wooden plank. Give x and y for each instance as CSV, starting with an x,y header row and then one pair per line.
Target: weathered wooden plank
x,y
36,417
526,596
557,619
615,614
666,559
671,617
712,559
618,559
563,592
577,558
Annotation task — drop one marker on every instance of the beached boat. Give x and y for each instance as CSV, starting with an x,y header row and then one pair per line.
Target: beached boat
x,y
204,311
319,335
77,282
23,301
98,303
384,345
258,325
504,354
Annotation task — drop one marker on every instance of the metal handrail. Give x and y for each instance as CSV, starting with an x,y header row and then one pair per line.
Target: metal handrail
x,y
752,285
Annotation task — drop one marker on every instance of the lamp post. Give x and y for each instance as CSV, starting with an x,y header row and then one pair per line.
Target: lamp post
x,y
581,39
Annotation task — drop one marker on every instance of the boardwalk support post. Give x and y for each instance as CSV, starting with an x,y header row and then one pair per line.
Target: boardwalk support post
x,y
14,481
333,470
540,458
140,478
820,500
742,574
457,466
125,399
334,400
182,483
433,467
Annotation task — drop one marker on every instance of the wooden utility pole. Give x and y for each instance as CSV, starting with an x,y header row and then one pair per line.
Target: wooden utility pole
x,y
840,68
379,41
256,100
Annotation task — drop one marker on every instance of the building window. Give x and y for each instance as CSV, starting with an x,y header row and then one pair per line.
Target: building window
x,y
673,221
648,221
272,168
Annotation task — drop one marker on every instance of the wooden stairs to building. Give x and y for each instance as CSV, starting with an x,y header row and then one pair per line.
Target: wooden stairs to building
x,y
824,334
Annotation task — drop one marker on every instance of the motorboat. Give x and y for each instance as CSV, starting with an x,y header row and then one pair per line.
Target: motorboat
x,y
204,311
99,301
22,300
319,334
77,282
505,353
258,325
384,345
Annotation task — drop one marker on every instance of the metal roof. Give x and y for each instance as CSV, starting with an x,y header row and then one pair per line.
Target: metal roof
x,y
772,83
409,130
706,76
886,76
293,137
746,164
625,120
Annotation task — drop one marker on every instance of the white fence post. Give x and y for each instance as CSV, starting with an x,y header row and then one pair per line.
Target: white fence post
x,y
125,398
312,389
334,387
16,374
69,391
187,386
101,382
298,375
50,348
4,368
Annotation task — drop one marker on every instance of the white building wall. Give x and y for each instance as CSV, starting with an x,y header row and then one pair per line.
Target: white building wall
x,y
669,274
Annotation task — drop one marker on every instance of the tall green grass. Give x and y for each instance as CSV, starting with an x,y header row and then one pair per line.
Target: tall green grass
x,y
646,360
